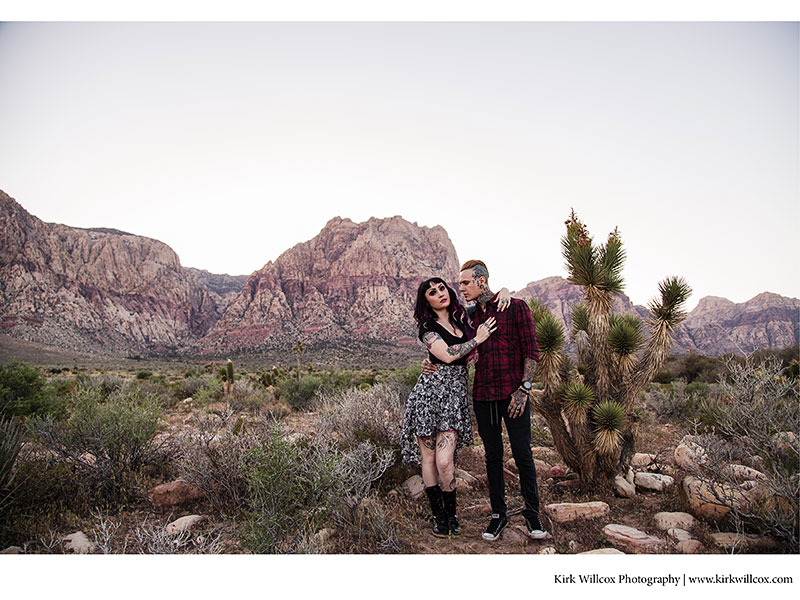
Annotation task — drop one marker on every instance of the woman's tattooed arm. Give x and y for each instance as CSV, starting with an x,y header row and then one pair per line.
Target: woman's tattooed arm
x,y
439,348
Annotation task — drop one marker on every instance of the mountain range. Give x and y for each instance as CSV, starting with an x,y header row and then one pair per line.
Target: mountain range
x,y
347,294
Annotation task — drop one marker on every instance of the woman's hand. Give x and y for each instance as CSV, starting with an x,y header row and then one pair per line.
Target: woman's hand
x,y
485,329
503,299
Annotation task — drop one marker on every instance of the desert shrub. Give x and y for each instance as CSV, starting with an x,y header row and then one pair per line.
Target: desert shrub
x,y
754,422
354,415
249,396
105,440
216,458
678,400
24,391
210,392
409,375
104,385
297,487
10,446
188,387
298,394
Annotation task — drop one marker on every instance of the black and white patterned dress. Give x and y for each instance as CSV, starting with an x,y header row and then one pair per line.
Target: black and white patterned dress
x,y
438,402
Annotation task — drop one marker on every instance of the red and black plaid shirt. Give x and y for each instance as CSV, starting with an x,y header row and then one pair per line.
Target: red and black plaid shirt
x,y
501,358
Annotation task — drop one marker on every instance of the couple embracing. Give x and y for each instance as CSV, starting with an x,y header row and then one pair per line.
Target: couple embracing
x,y
497,336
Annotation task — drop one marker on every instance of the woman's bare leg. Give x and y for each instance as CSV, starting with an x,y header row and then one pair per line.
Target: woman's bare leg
x,y
427,447
445,450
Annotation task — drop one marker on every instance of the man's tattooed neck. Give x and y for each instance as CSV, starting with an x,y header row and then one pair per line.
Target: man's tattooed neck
x,y
485,296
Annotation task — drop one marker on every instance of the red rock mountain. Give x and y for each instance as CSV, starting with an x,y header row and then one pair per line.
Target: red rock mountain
x,y
351,287
347,294
95,290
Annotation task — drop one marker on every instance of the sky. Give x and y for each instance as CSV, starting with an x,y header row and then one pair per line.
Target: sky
x,y
232,142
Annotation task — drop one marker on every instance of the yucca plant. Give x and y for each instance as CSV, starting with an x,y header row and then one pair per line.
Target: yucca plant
x,y
590,416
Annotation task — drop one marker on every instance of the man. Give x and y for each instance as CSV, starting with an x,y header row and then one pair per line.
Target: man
x,y
503,376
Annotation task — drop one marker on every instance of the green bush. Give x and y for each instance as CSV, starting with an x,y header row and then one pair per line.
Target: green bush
x,y
298,394
107,441
697,388
24,392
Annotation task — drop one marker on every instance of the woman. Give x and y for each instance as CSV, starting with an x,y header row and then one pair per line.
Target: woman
x,y
437,419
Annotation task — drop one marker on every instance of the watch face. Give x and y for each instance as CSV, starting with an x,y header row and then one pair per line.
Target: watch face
x,y
527,385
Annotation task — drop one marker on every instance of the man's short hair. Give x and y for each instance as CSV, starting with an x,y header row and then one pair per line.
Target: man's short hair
x,y
472,264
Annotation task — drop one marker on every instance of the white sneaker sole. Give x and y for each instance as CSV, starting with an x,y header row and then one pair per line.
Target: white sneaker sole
x,y
537,534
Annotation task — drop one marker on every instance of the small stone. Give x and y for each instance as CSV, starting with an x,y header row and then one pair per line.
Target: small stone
x,y
572,484
653,481
184,524
548,550
689,547
556,471
542,468
12,550
713,501
466,476
623,488
414,486
744,473
642,460
603,551
689,454
678,534
78,543
632,539
570,511
174,493
668,520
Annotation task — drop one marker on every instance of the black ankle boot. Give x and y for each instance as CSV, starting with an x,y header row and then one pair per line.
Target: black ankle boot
x,y
449,501
440,526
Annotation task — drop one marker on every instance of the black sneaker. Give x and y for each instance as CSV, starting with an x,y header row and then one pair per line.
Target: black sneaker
x,y
495,527
535,528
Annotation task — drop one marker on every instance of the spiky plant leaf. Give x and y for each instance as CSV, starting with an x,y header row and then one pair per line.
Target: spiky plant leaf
x,y
538,310
674,293
624,336
578,399
549,334
609,419
612,259
580,318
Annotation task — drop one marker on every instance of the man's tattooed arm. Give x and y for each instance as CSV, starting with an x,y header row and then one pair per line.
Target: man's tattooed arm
x,y
519,398
444,352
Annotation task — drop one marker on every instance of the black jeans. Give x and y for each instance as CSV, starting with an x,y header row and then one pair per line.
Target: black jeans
x,y
490,416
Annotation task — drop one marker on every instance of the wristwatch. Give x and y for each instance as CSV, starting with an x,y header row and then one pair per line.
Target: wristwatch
x,y
526,387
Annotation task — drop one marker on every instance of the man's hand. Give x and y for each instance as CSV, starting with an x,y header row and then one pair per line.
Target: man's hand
x,y
517,405
428,367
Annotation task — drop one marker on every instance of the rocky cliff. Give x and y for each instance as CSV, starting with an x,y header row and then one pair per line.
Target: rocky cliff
x,y
351,287
97,290
714,327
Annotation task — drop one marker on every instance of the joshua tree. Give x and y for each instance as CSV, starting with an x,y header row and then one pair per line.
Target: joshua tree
x,y
590,415
298,348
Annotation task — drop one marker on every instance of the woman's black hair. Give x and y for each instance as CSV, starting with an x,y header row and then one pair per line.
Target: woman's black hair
x,y
424,315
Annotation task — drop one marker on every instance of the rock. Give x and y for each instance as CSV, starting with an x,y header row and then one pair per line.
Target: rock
x,y
548,550
653,481
744,473
678,534
689,547
557,471
414,486
516,535
468,478
512,466
542,468
713,501
744,542
184,524
572,484
623,488
642,460
784,441
632,539
566,512
78,543
669,520
690,455
603,551
174,493
12,550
